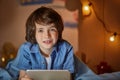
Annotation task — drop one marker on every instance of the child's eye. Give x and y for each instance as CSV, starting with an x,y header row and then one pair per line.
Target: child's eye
x,y
40,30
53,29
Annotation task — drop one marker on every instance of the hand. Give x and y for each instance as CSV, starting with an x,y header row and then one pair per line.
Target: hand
x,y
24,76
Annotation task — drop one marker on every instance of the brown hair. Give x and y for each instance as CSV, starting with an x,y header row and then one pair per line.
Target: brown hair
x,y
43,15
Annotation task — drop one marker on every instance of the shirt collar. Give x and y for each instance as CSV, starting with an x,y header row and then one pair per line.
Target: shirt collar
x,y
35,48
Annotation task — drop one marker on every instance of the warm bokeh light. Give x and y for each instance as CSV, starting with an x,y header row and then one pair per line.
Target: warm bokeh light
x,y
112,38
3,59
86,10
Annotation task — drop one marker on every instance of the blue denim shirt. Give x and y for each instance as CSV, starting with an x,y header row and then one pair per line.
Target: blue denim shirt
x,y
30,57
4,75
82,72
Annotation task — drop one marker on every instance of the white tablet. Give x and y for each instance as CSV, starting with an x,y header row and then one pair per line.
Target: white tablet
x,y
49,74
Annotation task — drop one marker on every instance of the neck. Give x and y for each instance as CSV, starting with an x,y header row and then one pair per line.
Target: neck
x,y
45,52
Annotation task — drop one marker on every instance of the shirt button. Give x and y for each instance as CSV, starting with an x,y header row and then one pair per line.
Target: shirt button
x,y
43,63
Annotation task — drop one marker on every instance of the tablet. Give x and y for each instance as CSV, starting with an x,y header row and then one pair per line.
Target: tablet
x,y
49,74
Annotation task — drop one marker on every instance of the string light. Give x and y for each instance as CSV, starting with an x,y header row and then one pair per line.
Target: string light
x,y
112,38
103,67
86,10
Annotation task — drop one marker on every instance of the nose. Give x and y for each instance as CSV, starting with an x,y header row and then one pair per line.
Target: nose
x,y
47,34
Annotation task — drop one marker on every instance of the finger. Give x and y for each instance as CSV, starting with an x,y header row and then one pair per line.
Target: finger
x,y
25,78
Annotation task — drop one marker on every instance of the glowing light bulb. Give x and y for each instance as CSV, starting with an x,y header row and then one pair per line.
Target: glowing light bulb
x,y
86,10
112,38
86,7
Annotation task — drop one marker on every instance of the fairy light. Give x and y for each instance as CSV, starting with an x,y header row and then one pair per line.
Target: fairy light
x,y
86,9
112,38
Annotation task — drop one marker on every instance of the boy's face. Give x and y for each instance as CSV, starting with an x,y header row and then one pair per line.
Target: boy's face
x,y
46,36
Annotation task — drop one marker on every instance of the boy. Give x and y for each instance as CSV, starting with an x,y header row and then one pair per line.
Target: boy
x,y
45,48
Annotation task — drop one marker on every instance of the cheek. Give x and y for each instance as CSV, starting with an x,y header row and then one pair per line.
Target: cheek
x,y
56,36
38,37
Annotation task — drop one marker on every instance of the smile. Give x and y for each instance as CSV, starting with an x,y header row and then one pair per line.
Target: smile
x,y
47,41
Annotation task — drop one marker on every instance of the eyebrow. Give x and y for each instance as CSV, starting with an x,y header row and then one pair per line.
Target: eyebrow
x,y
39,28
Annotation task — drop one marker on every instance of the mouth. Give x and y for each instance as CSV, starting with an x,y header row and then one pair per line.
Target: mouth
x,y
47,41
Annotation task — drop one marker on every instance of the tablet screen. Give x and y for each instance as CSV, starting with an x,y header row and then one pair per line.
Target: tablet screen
x,y
49,74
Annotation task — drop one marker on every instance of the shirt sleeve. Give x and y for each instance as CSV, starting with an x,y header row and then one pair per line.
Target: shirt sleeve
x,y
4,75
69,59
21,62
